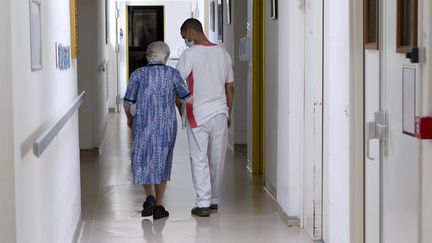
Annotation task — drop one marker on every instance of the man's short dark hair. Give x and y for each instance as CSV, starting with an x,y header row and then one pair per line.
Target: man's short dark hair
x,y
193,24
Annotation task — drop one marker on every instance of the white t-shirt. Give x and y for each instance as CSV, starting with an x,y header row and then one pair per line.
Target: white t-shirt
x,y
206,68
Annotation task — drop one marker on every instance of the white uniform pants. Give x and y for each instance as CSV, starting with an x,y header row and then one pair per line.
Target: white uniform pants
x,y
207,148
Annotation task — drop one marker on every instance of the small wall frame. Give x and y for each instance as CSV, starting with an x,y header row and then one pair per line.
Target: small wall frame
x,y
212,16
228,11
220,21
274,9
36,35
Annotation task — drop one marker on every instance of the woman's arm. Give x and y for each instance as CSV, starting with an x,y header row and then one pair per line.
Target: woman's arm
x,y
127,108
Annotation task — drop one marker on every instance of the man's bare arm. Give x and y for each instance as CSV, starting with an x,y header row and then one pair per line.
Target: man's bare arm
x,y
229,91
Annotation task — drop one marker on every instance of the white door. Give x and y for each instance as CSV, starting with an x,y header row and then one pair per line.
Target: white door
x,y
312,183
392,176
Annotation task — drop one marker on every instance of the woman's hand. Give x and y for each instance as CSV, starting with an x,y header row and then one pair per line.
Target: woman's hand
x,y
129,123
190,100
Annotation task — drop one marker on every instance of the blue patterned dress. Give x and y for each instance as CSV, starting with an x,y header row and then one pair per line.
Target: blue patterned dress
x,y
154,88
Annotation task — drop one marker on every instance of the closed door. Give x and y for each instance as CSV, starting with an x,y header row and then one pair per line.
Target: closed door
x,y
313,132
392,176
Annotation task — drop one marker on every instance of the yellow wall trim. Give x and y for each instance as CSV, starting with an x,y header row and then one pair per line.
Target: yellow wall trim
x,y
73,6
258,86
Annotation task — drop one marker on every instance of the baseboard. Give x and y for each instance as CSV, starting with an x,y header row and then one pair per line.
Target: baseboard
x,y
78,231
290,221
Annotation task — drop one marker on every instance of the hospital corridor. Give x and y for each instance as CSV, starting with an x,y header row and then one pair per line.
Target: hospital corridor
x,y
271,121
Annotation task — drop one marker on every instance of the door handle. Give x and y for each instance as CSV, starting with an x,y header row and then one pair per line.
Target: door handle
x,y
300,4
376,129
371,134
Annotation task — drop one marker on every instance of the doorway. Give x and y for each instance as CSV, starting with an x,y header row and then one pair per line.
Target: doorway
x,y
392,153
145,25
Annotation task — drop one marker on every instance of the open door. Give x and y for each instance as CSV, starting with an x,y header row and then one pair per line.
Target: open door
x,y
145,25
392,171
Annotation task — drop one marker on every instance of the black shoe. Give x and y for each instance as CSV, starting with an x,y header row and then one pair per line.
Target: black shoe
x,y
213,206
201,212
148,206
160,212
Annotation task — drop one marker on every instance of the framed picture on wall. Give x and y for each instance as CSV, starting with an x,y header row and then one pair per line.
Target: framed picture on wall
x,y
106,22
35,35
220,20
273,9
212,16
228,12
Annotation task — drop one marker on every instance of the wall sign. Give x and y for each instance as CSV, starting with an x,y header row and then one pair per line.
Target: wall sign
x,y
408,101
63,57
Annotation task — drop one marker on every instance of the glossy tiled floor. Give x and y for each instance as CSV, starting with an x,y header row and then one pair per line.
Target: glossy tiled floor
x,y
111,204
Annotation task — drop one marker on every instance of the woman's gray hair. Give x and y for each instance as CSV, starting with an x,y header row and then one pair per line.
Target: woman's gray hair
x,y
157,51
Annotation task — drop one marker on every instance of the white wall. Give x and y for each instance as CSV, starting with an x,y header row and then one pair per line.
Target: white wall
x,y
249,91
103,80
271,99
229,40
93,52
336,117
232,34
290,108
87,72
7,168
48,201
112,55
122,62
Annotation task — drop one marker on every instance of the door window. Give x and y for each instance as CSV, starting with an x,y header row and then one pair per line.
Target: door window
x,y
406,25
371,24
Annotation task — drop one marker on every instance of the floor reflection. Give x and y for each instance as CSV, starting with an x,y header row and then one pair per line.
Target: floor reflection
x,y
153,229
111,204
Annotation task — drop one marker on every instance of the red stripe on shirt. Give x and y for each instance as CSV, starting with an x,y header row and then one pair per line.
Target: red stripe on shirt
x,y
189,107
207,44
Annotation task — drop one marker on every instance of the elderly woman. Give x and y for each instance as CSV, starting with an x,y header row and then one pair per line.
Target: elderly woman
x,y
153,89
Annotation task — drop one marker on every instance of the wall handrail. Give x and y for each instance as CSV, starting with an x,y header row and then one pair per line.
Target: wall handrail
x,y
43,140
